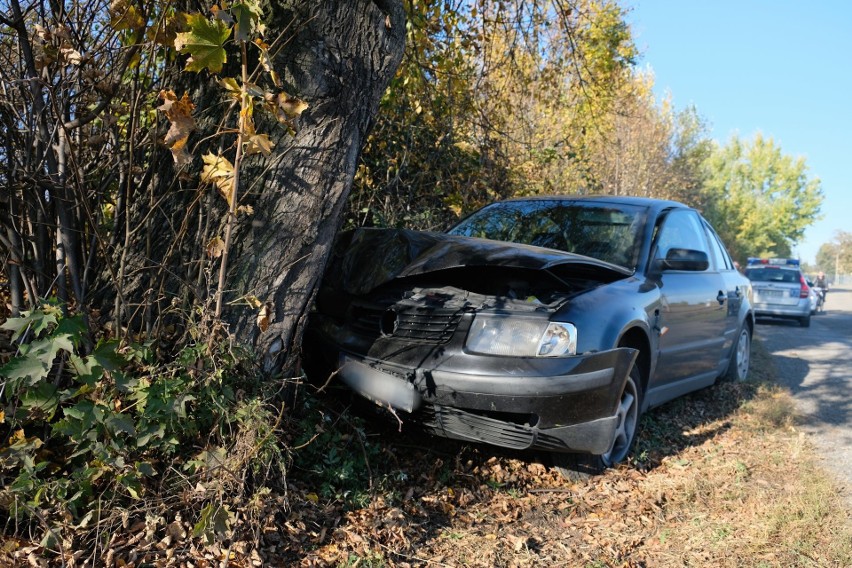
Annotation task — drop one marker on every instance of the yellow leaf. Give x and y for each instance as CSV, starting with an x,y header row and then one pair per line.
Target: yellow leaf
x,y
219,171
179,113
70,54
254,301
230,84
215,247
292,106
264,317
259,144
124,16
312,497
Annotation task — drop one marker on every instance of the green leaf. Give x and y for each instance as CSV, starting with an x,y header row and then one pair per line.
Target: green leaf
x,y
87,370
72,326
214,521
246,14
204,43
107,356
23,368
63,341
42,399
121,423
37,320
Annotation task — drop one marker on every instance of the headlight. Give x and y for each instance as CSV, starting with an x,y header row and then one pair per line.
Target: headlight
x,y
516,336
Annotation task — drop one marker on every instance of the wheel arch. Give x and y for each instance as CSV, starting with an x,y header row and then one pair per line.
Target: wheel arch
x,y
636,338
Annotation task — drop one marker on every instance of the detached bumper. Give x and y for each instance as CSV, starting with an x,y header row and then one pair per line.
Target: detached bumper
x,y
559,404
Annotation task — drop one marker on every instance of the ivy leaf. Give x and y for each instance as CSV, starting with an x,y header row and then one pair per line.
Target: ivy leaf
x,y
204,43
246,13
179,113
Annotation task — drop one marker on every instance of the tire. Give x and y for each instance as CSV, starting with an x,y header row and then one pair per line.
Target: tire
x,y
582,466
740,357
805,321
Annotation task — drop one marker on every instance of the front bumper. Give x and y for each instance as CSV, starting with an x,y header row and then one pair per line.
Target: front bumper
x,y
558,404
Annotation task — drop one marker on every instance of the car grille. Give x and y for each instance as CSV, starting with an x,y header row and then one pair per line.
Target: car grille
x,y
422,325
461,425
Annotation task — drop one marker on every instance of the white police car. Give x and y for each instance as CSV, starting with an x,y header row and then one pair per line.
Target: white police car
x,y
780,289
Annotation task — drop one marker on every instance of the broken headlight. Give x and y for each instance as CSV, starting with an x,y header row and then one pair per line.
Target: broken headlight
x,y
515,336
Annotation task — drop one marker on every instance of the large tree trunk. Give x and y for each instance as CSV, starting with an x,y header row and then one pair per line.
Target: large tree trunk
x,y
340,61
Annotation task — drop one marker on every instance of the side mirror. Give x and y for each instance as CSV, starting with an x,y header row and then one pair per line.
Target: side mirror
x,y
685,259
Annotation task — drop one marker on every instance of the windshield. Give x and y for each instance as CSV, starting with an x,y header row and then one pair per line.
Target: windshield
x,y
606,231
772,274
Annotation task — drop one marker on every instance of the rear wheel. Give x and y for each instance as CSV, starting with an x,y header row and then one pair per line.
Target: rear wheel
x,y
805,321
581,466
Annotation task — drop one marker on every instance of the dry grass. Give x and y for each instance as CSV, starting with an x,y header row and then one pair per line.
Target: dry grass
x,y
723,478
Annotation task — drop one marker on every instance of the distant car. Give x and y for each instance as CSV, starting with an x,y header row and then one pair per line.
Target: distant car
x,y
780,289
547,323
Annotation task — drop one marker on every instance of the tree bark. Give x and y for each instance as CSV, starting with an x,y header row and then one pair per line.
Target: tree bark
x,y
340,60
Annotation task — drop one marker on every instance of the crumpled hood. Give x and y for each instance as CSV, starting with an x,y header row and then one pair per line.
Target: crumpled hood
x,y
364,259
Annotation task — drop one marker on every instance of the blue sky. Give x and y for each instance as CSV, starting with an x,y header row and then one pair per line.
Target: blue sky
x,y
781,68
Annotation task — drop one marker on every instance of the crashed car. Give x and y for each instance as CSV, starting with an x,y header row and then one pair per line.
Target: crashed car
x,y
545,323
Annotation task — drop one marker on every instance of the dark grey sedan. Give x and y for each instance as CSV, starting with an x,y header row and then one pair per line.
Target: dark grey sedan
x,y
548,323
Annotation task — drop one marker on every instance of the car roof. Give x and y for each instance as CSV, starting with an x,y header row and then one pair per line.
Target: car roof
x,y
648,202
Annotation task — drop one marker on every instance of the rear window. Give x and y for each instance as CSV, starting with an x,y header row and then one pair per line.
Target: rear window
x,y
770,274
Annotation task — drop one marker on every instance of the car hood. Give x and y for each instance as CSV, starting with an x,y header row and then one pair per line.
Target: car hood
x,y
364,259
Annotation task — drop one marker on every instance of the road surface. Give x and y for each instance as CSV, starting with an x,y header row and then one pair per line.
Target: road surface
x,y
815,363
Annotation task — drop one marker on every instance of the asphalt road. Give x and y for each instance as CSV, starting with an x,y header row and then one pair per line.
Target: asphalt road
x,y
815,363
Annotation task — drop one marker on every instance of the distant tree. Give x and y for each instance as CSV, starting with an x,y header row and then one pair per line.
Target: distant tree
x,y
835,257
759,199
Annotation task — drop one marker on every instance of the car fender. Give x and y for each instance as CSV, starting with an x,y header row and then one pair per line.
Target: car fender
x,y
602,316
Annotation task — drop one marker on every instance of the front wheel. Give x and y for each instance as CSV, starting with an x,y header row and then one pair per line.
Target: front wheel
x,y
580,466
740,357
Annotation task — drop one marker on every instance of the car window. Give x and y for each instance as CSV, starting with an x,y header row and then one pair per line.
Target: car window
x,y
609,232
721,258
773,274
680,229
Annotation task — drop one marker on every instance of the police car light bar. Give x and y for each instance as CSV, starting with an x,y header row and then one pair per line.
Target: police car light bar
x,y
774,261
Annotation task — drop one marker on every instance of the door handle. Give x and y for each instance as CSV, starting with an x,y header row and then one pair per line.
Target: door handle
x,y
721,297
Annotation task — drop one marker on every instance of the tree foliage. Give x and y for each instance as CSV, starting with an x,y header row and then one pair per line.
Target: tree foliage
x,y
493,99
759,199
835,257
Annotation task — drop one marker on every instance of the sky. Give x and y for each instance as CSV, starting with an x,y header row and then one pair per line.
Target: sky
x,y
779,67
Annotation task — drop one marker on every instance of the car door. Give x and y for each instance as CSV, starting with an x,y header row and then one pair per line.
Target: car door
x,y
735,286
693,311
